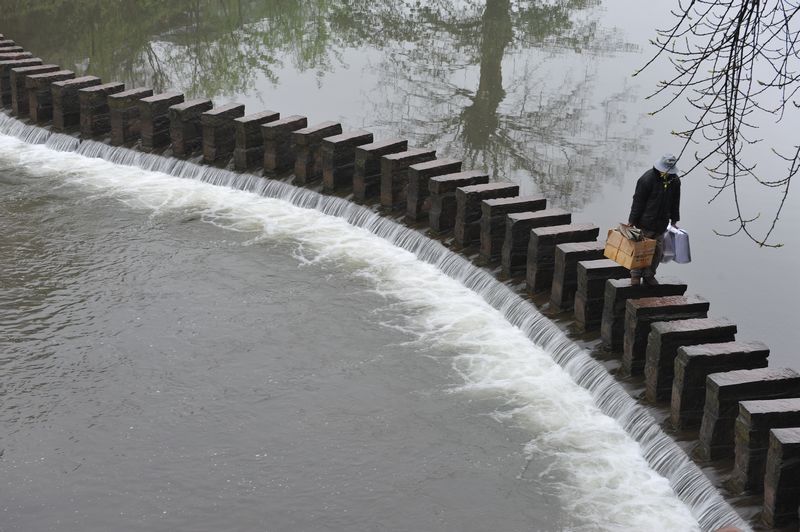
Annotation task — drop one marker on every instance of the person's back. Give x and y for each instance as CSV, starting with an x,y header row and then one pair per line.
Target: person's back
x,y
656,203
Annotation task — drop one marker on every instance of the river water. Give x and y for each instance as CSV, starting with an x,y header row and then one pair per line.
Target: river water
x,y
182,356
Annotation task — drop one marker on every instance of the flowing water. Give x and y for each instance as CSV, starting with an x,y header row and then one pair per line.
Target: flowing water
x,y
184,348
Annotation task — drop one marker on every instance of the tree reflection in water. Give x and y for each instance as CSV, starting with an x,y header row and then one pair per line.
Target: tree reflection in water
x,y
441,70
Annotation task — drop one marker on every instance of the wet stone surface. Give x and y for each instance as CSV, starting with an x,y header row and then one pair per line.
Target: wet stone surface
x,y
695,362
724,391
367,172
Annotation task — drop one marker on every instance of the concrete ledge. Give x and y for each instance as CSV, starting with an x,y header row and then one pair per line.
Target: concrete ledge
x,y
662,348
154,116
724,391
467,226
641,313
493,221
394,175
418,202
219,133
66,102
339,158
542,251
367,172
185,126
20,104
590,290
40,95
516,236
617,293
751,432
308,143
5,76
249,149
442,214
124,112
782,478
279,149
565,271
694,363
95,119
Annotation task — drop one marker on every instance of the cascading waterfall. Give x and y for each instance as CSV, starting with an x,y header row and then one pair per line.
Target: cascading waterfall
x,y
661,452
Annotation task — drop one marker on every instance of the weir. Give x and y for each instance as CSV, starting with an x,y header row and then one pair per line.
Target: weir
x,y
557,256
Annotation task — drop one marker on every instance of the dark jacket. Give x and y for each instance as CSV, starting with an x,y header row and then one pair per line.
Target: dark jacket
x,y
656,201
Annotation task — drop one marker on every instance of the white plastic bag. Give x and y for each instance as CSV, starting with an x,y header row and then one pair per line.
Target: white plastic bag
x,y
677,242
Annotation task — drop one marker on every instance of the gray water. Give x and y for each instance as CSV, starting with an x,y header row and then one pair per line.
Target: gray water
x,y
160,373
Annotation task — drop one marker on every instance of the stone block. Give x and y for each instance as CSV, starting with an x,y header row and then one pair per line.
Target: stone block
x,y
494,213
5,76
394,175
617,292
592,276
95,118
469,201
154,119
418,202
516,236
662,348
123,110
367,174
695,362
724,392
280,151
249,150
20,104
66,103
14,52
4,43
442,214
185,126
782,478
308,142
641,313
219,133
40,94
565,271
542,251
751,438
339,159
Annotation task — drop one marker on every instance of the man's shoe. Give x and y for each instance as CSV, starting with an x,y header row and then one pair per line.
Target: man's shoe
x,y
636,281
650,281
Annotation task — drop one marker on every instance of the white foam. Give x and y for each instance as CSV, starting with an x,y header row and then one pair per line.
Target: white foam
x,y
608,484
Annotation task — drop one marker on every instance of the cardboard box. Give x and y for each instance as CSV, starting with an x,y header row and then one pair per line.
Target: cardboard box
x,y
627,253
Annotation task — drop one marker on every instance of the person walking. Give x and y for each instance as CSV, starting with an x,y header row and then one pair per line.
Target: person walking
x,y
656,203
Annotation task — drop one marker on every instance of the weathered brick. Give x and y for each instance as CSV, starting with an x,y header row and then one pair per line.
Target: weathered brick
x,y
469,199
662,348
339,158
249,150
542,251
641,313
724,391
185,126
66,103
517,236
419,175
124,114
442,214
367,173
494,214
695,362
219,133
